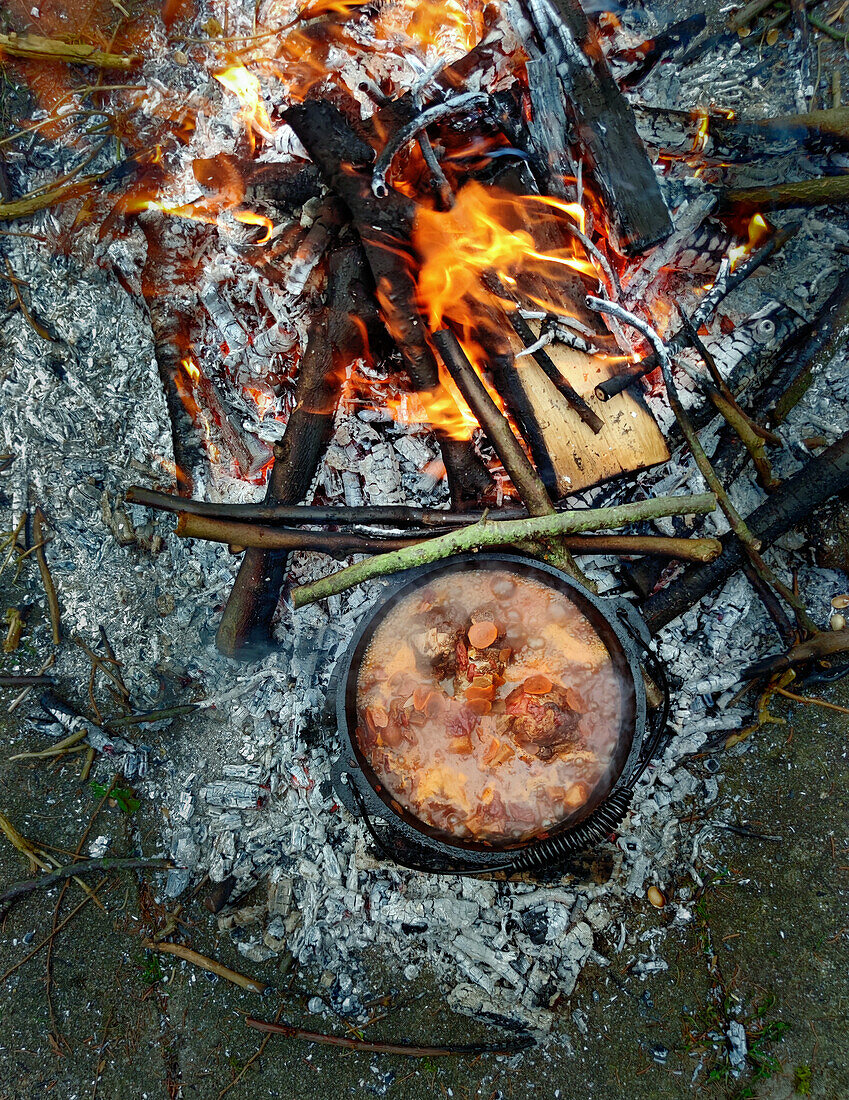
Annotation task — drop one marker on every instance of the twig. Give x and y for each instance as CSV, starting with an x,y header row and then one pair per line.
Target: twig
x,y
103,664
85,867
38,521
51,49
811,699
153,715
754,443
500,534
407,1049
66,743
196,959
257,1054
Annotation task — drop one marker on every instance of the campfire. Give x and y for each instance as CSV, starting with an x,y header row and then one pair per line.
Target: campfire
x,y
457,297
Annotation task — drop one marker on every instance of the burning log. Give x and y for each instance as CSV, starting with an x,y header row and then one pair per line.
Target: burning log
x,y
723,286
603,121
799,496
385,226
246,620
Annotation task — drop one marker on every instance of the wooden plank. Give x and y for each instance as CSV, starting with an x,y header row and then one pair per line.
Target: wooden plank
x,y
629,441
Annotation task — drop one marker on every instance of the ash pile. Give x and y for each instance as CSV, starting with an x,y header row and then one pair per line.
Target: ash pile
x,y
233,276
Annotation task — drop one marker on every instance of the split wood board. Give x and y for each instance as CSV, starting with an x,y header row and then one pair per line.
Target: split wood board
x,y
629,441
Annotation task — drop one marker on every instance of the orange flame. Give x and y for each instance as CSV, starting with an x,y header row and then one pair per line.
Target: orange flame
x,y
244,84
487,231
444,409
759,232
249,217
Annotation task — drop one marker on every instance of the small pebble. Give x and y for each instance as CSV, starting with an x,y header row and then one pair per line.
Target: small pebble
x,y
837,622
656,897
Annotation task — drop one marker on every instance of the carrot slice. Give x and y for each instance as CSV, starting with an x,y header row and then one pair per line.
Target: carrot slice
x,y
482,634
576,795
420,697
479,706
538,684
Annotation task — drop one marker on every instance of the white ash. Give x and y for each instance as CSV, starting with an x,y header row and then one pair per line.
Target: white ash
x,y
246,787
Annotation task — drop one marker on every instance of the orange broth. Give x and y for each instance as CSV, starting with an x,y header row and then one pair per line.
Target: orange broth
x,y
495,744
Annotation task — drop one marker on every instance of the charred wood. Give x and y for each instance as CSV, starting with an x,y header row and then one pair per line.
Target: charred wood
x,y
793,502
246,621
720,290
604,123
385,226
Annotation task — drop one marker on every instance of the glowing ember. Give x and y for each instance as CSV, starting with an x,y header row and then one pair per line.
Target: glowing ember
x,y
250,217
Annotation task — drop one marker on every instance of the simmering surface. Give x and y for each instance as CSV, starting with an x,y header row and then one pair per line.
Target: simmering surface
x,y
488,706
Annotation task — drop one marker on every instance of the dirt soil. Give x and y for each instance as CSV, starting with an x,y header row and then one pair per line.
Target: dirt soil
x,y
766,946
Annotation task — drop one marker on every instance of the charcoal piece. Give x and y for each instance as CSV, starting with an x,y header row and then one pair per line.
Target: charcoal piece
x,y
604,123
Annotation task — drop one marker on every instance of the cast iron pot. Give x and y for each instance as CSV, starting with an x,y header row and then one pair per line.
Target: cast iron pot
x,y
403,838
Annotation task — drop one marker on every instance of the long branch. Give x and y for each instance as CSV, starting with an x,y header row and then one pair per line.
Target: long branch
x,y
391,515
337,544
499,534
272,538
409,1049
86,867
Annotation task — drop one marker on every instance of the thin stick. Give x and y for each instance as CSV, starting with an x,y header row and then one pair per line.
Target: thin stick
x,y
811,699
252,534
738,525
391,515
407,1049
501,534
336,544
256,1054
196,959
38,521
153,715
525,333
69,742
86,867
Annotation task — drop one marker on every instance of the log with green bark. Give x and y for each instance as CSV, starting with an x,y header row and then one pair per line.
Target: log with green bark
x,y
485,533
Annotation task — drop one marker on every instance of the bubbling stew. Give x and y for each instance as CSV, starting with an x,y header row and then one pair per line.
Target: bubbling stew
x,y
488,706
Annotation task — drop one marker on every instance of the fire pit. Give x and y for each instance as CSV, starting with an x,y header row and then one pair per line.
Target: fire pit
x,y
493,716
